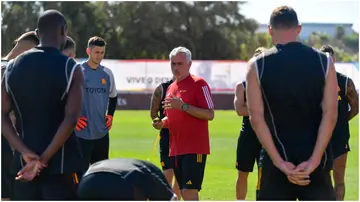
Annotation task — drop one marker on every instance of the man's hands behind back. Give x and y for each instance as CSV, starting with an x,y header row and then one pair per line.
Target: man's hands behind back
x,y
300,174
32,168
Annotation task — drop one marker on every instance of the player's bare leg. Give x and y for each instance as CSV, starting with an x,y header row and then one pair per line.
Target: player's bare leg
x,y
241,185
190,194
169,175
339,176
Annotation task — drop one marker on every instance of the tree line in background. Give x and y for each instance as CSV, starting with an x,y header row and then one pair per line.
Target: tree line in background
x,y
149,30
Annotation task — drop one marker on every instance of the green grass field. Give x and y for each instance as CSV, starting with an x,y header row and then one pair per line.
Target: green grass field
x,y
132,136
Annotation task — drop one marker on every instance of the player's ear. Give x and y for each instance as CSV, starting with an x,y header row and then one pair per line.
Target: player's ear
x,y
299,27
88,51
270,30
63,30
37,32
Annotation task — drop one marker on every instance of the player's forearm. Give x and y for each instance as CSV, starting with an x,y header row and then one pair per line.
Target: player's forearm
x,y
263,134
326,128
9,133
153,115
205,114
242,111
154,111
112,106
354,111
65,130
155,102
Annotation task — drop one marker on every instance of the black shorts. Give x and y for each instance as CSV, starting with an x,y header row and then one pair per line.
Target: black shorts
x,y
339,147
6,165
47,187
94,150
164,149
248,151
189,170
273,185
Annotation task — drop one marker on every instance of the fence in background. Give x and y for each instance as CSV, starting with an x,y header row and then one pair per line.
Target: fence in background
x,y
136,79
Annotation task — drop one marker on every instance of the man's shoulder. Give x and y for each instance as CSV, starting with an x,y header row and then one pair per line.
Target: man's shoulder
x,y
116,165
4,63
107,70
198,80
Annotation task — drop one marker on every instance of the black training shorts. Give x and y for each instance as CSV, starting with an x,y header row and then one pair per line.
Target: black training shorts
x,y
248,151
189,170
164,149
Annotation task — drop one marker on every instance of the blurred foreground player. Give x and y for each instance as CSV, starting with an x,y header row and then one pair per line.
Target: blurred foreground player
x,y
25,42
69,48
347,97
248,146
292,101
126,180
51,91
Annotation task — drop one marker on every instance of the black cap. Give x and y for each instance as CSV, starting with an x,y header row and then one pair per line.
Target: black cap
x,y
284,17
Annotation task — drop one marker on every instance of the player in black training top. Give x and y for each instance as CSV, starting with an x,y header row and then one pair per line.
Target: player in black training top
x,y
157,113
292,100
347,98
43,85
248,146
125,179
25,42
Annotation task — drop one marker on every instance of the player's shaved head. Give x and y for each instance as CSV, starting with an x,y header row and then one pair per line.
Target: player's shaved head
x,y
50,21
52,29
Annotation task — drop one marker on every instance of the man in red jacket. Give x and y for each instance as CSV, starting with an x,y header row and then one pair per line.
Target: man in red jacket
x,y
188,107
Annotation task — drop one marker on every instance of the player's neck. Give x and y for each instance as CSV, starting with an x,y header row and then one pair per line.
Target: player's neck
x,y
49,43
92,65
284,39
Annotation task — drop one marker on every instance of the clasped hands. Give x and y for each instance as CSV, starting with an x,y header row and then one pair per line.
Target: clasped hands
x,y
300,174
32,168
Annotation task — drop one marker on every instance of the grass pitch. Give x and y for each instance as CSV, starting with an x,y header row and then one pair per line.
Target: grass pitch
x,y
132,136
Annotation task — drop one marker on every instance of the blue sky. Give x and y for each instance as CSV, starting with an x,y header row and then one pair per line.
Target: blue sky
x,y
330,11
